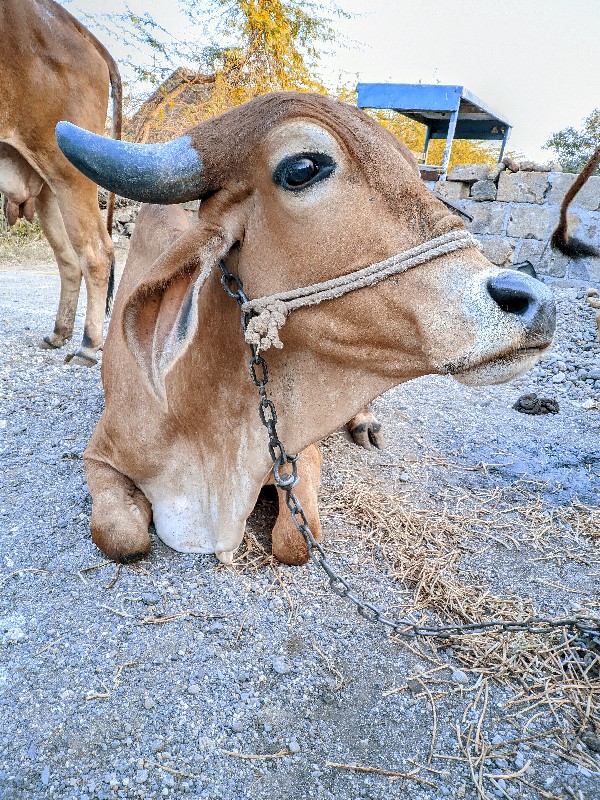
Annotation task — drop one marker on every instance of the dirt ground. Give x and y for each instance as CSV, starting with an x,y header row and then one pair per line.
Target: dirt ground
x,y
180,678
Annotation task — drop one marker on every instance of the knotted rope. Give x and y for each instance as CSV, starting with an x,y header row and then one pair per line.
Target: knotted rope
x,y
272,311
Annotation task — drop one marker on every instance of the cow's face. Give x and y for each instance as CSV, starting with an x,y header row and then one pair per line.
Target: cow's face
x,y
298,189
318,211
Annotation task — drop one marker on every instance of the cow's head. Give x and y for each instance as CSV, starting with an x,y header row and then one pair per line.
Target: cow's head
x,y
297,189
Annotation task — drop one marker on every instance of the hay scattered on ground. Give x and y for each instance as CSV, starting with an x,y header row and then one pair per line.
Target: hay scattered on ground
x,y
554,677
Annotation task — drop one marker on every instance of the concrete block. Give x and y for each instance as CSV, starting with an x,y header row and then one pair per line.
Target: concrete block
x,y
469,173
483,190
593,268
487,217
553,263
530,250
523,187
495,173
531,221
500,251
451,190
587,197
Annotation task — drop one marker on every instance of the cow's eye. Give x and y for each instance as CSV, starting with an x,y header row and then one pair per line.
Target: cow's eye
x,y
299,172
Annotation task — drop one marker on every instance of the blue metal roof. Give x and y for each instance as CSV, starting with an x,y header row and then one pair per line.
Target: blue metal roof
x,y
433,105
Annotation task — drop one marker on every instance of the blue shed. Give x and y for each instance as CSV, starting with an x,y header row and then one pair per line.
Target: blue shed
x,y
448,112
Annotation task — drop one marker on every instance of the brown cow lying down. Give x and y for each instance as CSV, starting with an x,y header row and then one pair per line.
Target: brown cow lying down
x,y
296,189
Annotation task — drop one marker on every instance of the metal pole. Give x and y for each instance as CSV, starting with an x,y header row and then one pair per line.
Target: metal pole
x,y
426,146
504,141
448,147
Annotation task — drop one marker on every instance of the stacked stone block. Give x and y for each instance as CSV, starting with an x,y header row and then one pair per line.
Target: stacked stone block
x,y
514,214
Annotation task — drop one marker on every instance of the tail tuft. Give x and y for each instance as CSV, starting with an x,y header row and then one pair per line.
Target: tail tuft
x,y
111,289
573,247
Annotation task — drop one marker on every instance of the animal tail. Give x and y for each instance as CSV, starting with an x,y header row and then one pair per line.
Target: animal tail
x,y
117,127
117,124
110,292
560,239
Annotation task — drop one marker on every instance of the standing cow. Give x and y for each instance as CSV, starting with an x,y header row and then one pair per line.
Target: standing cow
x,y
53,68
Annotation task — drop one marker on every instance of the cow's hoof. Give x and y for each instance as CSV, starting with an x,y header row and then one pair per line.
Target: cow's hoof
x,y
52,342
365,431
288,545
82,358
225,557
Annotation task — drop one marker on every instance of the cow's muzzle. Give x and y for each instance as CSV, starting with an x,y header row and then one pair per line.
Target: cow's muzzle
x,y
529,301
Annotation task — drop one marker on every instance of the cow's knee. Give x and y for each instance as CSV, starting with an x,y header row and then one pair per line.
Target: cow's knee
x,y
289,546
365,430
121,514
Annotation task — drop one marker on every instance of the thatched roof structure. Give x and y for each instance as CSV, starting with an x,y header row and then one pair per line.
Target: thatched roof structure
x,y
176,105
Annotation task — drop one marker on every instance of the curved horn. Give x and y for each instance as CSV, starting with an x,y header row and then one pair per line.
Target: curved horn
x,y
153,173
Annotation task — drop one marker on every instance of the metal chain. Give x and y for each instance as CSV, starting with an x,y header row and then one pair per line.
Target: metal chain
x,y
285,475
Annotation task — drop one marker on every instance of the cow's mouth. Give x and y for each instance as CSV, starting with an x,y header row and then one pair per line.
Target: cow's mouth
x,y
500,368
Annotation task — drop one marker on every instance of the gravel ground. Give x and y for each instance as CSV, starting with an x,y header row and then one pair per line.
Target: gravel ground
x,y
153,681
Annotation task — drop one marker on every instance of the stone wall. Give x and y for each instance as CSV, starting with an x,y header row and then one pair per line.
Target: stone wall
x,y
514,214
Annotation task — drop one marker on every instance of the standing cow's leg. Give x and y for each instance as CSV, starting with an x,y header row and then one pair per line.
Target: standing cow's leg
x,y
90,240
121,513
288,544
365,430
68,266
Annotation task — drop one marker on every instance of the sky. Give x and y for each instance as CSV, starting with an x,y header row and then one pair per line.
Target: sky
x,y
535,62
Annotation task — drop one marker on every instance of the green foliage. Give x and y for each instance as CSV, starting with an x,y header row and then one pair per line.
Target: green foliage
x,y
236,50
574,147
249,46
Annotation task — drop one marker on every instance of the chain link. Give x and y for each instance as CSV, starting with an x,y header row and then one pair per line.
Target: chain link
x,y
286,481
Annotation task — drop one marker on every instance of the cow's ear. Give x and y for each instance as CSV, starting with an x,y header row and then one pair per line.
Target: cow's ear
x,y
160,317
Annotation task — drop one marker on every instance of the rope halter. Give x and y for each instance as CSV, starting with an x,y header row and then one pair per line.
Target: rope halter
x,y
272,311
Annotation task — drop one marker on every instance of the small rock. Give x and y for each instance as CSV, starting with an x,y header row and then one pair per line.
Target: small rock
x,y
458,676
280,666
45,776
558,378
141,776
150,599
484,190
591,740
193,688
293,746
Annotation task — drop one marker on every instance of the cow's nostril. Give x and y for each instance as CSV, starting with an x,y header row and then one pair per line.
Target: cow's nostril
x,y
528,301
511,293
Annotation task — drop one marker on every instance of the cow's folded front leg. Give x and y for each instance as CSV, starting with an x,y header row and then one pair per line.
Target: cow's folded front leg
x,y
121,513
365,430
288,543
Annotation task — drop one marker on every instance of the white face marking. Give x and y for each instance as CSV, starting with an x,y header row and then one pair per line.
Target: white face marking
x,y
197,506
296,137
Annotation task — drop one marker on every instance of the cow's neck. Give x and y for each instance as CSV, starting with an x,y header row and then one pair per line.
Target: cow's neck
x,y
313,394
